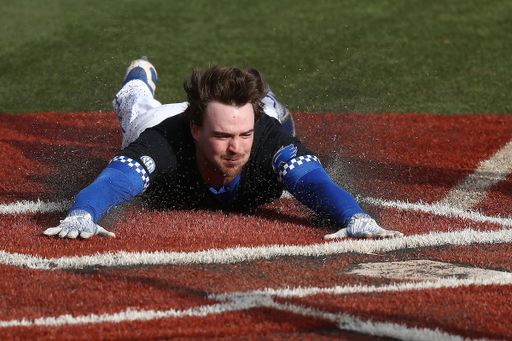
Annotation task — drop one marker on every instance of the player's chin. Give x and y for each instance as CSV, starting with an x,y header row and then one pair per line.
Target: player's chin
x,y
231,169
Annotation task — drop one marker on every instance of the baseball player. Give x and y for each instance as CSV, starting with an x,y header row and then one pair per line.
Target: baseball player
x,y
230,146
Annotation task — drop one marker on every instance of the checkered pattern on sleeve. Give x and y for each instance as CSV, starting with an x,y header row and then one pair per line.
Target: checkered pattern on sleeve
x,y
136,166
294,163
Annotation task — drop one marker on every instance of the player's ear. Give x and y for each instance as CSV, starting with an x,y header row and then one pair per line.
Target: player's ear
x,y
194,129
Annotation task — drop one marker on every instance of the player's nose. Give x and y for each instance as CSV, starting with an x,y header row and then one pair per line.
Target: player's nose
x,y
235,146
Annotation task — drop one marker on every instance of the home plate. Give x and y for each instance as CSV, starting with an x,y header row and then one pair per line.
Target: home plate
x,y
423,270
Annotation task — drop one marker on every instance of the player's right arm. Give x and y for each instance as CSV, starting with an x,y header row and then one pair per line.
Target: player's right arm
x,y
127,175
120,181
300,172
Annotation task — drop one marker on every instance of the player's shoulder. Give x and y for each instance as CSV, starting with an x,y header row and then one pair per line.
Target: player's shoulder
x,y
270,137
177,121
269,126
267,120
174,127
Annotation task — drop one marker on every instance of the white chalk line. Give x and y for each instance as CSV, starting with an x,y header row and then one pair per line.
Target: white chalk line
x,y
265,298
238,301
438,209
456,204
503,278
123,316
473,188
241,254
39,206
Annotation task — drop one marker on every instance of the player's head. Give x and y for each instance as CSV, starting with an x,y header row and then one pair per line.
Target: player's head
x,y
224,104
227,85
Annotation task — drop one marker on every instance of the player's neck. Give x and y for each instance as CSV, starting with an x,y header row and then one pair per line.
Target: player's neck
x,y
214,179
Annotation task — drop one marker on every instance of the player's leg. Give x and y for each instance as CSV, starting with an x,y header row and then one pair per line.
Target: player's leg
x,y
275,109
134,105
136,94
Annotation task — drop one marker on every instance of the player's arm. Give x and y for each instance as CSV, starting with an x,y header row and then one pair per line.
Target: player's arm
x,y
305,178
119,182
127,176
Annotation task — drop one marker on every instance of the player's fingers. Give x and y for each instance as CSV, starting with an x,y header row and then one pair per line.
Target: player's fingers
x,y
367,234
86,235
89,230
98,230
52,231
63,233
387,234
104,233
377,234
340,234
381,234
72,234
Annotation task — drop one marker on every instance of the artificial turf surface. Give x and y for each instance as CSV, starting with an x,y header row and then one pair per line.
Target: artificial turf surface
x,y
318,56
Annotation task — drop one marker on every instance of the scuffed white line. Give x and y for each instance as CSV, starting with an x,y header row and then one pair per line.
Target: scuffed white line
x,y
383,329
435,208
256,299
348,322
439,209
127,315
244,301
473,188
502,279
242,254
26,206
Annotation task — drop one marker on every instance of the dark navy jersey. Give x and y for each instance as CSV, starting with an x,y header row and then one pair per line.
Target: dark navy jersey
x,y
161,165
167,152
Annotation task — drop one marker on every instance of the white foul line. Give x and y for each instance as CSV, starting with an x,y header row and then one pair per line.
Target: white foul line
x,y
503,278
474,187
248,300
383,329
26,206
242,254
439,209
127,315
243,301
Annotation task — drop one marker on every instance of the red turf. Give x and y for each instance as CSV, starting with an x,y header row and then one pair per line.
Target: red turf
x,y
413,157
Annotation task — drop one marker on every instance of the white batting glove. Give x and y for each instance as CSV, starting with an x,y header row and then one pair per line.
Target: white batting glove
x,y
361,225
78,222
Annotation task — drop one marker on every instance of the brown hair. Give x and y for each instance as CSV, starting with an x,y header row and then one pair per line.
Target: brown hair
x,y
228,85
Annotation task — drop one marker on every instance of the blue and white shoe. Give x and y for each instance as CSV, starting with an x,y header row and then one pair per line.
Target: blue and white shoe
x,y
142,70
285,116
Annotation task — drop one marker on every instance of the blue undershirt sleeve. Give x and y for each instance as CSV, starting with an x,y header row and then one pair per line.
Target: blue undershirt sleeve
x,y
305,178
120,181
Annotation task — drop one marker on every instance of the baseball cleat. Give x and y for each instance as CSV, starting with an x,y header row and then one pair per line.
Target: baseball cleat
x,y
143,70
285,116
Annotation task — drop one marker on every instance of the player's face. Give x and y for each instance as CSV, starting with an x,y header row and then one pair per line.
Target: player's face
x,y
223,143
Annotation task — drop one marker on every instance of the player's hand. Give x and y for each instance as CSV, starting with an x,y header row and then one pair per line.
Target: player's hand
x,y
362,225
78,223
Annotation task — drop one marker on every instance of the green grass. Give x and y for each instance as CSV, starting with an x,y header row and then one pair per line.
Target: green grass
x,y
434,56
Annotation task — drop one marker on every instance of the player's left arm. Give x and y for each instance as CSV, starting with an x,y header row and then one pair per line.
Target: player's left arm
x,y
306,179
127,175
